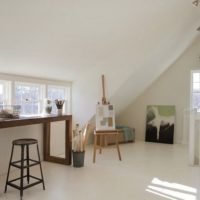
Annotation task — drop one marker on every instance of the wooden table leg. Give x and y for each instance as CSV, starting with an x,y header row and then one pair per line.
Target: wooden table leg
x,y
46,140
68,141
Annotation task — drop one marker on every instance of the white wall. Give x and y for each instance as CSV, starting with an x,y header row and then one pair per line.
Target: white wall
x,y
87,91
61,40
127,70
171,88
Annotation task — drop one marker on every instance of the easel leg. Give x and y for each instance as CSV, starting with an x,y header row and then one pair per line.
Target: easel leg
x,y
117,144
100,143
95,146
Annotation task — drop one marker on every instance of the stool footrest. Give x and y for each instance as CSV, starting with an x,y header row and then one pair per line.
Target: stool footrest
x,y
17,164
10,183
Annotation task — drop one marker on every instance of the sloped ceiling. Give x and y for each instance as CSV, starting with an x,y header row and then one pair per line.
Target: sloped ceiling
x,y
132,41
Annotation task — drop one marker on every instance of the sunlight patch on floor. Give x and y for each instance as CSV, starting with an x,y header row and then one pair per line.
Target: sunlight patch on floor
x,y
172,191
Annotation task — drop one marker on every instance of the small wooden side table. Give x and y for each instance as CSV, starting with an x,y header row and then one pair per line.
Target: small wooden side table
x,y
104,133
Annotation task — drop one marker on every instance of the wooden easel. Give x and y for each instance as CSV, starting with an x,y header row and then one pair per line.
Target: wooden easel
x,y
104,102
103,133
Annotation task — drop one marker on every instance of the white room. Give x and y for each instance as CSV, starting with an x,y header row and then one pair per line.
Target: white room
x,y
64,63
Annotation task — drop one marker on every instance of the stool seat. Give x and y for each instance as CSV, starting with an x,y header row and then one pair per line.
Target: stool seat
x,y
25,141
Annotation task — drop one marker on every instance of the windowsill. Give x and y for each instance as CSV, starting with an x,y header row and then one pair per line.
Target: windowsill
x,y
35,115
31,115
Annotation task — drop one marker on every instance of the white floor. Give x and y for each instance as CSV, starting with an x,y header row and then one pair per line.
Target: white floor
x,y
148,171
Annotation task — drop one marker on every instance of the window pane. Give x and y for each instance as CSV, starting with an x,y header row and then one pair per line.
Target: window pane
x,y
196,77
4,92
1,94
17,94
196,89
1,89
196,86
196,100
28,96
56,93
34,94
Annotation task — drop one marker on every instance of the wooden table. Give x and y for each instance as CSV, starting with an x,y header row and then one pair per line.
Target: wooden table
x,y
46,121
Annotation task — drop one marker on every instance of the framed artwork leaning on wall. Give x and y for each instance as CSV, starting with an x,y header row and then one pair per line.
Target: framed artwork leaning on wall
x,y
160,121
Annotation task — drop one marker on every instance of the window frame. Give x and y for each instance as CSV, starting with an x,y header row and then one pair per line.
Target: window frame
x,y
192,107
7,88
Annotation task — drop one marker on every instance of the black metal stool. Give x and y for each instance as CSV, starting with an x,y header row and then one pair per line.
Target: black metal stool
x,y
20,165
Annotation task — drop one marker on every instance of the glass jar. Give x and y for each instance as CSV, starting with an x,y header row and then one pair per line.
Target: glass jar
x,y
47,107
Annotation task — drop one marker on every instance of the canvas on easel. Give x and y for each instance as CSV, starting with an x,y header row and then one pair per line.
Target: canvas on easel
x,y
105,117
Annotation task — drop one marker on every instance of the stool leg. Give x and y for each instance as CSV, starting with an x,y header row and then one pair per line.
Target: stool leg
x,y
40,167
9,168
22,172
27,162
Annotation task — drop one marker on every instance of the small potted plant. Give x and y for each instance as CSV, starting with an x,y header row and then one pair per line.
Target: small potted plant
x,y
78,146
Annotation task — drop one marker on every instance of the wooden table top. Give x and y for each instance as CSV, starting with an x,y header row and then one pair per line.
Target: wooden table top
x,y
22,121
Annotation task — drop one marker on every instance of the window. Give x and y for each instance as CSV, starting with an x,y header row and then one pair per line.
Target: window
x,y
29,96
1,94
5,92
195,90
30,93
